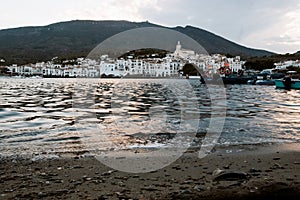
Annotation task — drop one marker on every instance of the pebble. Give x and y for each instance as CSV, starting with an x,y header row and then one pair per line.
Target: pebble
x,y
102,197
226,167
276,158
121,184
149,188
217,172
183,187
122,178
119,158
188,182
43,174
199,188
253,170
277,166
186,192
106,173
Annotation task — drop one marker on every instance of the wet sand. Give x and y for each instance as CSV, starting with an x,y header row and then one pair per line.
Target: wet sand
x,y
257,172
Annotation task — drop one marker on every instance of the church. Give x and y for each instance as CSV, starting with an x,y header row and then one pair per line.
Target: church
x,y
184,53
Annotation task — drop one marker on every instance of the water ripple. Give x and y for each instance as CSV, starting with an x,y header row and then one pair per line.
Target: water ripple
x,y
39,115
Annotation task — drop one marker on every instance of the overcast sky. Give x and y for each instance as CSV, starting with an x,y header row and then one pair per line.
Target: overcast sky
x,y
267,24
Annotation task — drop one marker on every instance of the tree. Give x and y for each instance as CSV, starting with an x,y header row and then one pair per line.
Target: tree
x,y
3,70
190,70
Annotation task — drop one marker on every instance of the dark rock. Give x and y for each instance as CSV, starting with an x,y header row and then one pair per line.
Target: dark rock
x,y
102,197
221,175
177,167
77,167
183,187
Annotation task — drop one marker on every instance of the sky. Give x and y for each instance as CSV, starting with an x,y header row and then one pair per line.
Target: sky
x,y
272,25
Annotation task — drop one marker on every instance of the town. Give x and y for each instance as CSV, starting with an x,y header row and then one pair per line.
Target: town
x,y
169,66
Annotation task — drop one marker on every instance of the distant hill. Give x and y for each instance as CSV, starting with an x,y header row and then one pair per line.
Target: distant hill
x,y
77,38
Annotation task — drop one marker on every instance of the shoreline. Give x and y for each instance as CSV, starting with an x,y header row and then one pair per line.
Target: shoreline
x,y
260,172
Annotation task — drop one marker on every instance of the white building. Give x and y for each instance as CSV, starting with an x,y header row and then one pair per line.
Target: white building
x,y
285,64
235,63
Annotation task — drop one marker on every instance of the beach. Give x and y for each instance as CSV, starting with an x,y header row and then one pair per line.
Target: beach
x,y
47,149
233,172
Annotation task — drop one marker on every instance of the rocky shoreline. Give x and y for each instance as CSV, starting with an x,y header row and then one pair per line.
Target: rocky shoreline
x,y
256,172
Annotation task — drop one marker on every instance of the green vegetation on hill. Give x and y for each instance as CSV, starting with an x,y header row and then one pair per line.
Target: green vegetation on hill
x,y
267,62
146,53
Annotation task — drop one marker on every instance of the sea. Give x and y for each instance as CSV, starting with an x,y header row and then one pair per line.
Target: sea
x,y
63,117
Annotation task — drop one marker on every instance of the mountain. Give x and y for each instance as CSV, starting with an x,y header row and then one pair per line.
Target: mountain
x,y
77,38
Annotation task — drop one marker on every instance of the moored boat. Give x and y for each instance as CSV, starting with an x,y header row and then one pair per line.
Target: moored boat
x,y
294,84
226,75
265,82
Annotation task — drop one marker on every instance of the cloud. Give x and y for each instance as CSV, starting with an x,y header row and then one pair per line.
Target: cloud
x,y
271,24
112,10
277,29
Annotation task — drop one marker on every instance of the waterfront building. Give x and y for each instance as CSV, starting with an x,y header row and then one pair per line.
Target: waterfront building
x,y
285,64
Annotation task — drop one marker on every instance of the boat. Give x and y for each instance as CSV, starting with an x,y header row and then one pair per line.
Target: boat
x,y
281,83
225,76
267,79
265,82
232,79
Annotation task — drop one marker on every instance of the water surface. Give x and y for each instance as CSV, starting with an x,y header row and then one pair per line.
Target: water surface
x,y
60,115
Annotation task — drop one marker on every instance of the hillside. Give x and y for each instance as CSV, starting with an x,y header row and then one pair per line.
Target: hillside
x,y
77,38
267,62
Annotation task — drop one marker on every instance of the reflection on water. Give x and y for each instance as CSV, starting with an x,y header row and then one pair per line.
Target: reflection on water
x,y
55,115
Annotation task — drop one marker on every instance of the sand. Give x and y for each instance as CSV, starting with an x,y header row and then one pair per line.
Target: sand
x,y
255,172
